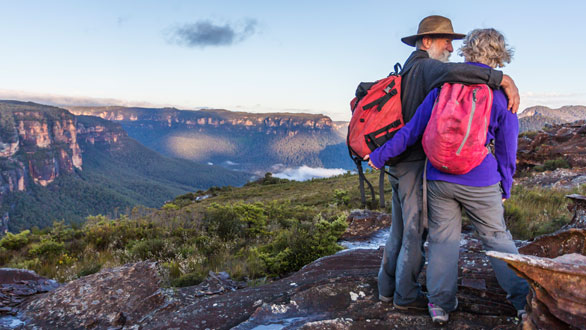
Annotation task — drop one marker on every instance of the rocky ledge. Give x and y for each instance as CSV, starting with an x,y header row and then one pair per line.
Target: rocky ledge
x,y
334,292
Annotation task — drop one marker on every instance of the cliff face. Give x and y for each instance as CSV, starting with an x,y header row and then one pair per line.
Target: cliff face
x,y
256,142
38,141
172,117
93,131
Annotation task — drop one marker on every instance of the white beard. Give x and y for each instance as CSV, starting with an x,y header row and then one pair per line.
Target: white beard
x,y
440,56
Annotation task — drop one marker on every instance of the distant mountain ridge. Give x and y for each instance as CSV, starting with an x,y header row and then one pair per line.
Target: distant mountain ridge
x,y
54,165
535,118
251,141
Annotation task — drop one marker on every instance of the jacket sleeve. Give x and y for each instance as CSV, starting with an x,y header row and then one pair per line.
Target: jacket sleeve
x,y
505,147
437,73
408,135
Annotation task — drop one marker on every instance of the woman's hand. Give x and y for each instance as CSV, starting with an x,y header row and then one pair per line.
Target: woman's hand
x,y
367,157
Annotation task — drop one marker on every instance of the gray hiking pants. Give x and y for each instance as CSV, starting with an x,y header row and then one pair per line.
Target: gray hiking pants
x,y
403,254
485,208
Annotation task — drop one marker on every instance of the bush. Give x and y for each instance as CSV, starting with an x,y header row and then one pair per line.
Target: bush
x,y
89,269
295,247
188,280
341,197
46,248
151,249
236,220
15,241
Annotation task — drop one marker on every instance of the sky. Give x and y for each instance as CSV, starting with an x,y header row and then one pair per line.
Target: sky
x,y
264,56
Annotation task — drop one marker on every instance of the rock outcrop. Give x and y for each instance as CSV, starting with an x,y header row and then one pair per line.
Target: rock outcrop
x,y
535,118
172,117
555,267
363,223
112,298
255,142
559,152
37,144
335,292
16,286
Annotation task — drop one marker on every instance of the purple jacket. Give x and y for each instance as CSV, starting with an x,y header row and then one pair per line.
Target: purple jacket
x,y
500,167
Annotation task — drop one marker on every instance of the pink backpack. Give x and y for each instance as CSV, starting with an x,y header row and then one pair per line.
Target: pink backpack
x,y
455,138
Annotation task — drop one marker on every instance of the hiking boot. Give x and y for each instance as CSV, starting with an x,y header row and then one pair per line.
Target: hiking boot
x,y
385,299
438,314
419,304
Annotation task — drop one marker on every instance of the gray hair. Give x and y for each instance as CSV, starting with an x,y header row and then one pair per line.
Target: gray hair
x,y
486,46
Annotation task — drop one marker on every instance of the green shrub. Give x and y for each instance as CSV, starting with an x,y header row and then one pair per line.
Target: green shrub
x,y
46,248
150,249
295,247
341,197
236,220
170,206
89,269
552,164
15,241
188,279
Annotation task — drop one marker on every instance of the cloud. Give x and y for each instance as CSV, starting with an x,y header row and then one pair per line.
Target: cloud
x,y
205,33
62,100
304,173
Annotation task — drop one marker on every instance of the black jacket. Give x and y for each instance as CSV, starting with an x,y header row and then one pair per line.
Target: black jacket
x,y
421,74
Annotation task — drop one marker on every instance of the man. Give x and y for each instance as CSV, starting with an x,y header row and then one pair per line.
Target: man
x,y
425,69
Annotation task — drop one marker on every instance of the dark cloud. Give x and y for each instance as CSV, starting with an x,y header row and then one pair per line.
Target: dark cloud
x,y
206,33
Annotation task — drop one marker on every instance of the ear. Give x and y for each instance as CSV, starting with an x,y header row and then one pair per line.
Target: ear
x,y
426,43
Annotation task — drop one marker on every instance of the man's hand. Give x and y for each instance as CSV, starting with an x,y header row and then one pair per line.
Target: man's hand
x,y
367,157
512,92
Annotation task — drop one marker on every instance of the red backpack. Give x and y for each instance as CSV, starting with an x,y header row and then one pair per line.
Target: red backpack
x,y
376,116
455,138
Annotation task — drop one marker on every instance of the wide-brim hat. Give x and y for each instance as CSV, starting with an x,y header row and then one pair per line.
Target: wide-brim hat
x,y
436,26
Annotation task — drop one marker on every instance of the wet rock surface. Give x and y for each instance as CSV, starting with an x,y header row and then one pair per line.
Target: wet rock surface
x,y
363,223
17,285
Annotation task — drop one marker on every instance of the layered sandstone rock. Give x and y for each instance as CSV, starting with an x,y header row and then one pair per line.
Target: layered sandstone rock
x,y
555,267
112,298
363,223
562,144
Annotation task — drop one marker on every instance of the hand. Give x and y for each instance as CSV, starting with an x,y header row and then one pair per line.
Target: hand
x,y
504,199
367,157
512,92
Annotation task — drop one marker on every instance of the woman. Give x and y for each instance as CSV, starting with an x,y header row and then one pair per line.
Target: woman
x,y
480,192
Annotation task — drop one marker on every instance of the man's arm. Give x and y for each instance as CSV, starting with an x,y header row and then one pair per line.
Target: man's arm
x,y
438,73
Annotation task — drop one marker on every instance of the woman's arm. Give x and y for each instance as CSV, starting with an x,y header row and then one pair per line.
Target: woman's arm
x,y
505,146
406,136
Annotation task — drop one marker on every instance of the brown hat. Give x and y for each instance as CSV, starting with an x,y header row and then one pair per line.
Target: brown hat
x,y
437,26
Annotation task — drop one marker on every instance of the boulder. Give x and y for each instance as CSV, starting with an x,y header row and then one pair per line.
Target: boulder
x,y
363,223
112,298
558,289
16,285
555,267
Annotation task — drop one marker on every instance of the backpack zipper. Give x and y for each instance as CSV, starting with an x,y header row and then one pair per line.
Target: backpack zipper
x,y
469,122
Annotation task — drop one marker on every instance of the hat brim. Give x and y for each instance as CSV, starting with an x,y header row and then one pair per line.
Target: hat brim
x,y
410,40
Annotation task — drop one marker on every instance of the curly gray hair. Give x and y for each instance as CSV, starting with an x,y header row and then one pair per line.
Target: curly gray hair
x,y
486,46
